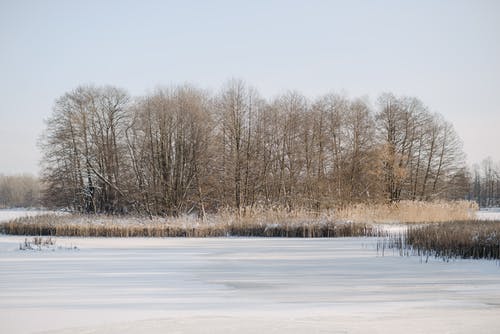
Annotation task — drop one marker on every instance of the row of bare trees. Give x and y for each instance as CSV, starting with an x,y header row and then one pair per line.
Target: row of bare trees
x,y
485,189
421,153
19,191
181,149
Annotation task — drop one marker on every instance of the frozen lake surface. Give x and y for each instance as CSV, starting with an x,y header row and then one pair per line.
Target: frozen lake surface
x,y
240,285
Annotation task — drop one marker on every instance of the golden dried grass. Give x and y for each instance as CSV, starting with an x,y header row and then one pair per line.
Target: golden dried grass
x,y
409,212
224,225
353,220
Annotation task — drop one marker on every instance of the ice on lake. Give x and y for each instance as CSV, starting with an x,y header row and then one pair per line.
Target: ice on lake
x,y
240,285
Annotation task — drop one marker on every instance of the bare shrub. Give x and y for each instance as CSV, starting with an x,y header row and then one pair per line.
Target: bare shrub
x,y
37,243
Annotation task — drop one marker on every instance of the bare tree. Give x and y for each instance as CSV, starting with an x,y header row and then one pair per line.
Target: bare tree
x,y
19,191
181,149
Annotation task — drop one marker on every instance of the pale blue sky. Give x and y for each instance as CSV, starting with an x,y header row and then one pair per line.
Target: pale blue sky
x,y
445,52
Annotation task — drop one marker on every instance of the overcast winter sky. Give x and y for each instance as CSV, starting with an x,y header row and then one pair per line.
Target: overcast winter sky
x,y
447,53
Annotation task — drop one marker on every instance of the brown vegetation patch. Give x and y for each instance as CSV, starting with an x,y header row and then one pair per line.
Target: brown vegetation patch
x,y
465,239
409,212
354,220
103,226
460,239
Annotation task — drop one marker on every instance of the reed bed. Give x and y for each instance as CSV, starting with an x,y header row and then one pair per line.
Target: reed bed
x,y
351,221
409,212
226,225
460,239
465,239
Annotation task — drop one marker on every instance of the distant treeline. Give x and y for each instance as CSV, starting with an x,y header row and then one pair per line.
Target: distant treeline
x,y
182,149
19,191
485,188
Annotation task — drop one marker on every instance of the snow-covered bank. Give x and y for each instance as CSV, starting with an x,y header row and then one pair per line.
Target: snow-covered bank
x,y
488,214
240,285
8,214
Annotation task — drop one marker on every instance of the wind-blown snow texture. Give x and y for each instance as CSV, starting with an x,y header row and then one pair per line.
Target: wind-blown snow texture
x,y
239,285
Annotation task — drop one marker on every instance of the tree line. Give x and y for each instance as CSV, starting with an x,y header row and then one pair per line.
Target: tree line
x,y
182,149
485,183
19,191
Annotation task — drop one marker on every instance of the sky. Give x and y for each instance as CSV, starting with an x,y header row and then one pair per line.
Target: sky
x,y
447,53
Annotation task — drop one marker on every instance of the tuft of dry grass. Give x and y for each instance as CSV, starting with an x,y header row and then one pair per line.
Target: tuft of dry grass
x,y
37,243
409,212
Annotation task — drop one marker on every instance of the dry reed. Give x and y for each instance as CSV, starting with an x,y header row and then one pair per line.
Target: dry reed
x,y
465,239
354,220
460,239
409,212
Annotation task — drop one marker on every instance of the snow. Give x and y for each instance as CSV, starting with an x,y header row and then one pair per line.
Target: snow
x,y
8,214
240,285
488,214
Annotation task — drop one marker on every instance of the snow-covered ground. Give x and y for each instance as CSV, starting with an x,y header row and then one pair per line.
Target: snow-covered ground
x,y
8,214
240,285
488,214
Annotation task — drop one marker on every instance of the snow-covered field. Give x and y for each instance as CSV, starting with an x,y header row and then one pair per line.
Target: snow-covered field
x,y
8,214
488,214
240,285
